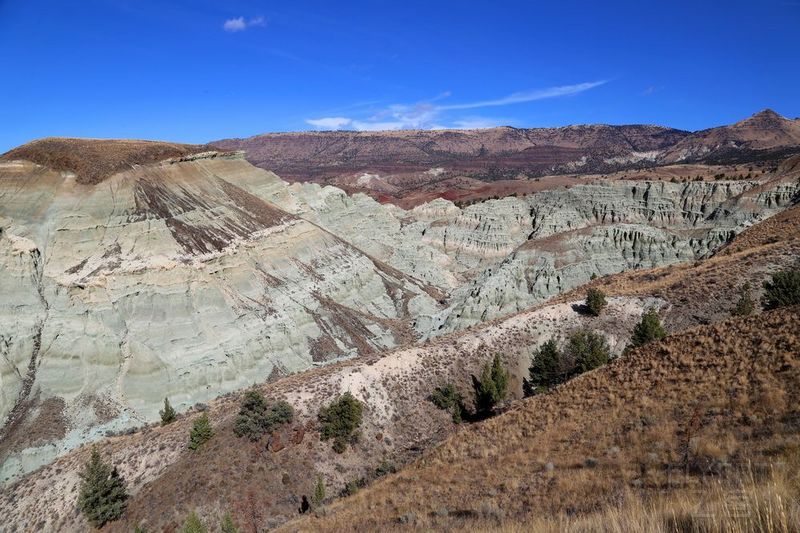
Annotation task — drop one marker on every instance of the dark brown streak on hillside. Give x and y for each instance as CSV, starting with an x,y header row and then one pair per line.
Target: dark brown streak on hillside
x,y
245,214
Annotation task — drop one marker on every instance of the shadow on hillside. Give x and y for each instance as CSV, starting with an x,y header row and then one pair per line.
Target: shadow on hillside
x,y
581,309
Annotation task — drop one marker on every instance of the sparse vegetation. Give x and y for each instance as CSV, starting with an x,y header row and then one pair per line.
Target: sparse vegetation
x,y
745,306
193,524
589,350
319,491
103,497
782,290
595,301
340,420
385,467
256,417
648,329
492,386
168,414
353,486
227,525
201,432
448,398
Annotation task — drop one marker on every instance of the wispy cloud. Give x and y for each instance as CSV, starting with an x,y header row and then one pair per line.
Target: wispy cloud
x,y
330,123
529,96
240,23
431,115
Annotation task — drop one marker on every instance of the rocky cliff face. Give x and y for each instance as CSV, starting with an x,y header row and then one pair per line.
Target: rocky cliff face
x,y
556,240
172,280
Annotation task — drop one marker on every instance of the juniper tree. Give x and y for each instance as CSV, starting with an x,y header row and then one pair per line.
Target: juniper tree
x,y
745,306
544,370
648,330
448,398
193,524
102,496
227,525
340,420
596,301
201,432
168,414
257,417
589,350
782,290
492,387
251,415
319,491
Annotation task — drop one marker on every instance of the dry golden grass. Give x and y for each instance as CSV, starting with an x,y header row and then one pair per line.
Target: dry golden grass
x,y
672,418
94,160
743,504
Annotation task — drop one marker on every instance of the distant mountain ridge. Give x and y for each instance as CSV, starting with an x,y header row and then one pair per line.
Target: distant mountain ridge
x,y
396,165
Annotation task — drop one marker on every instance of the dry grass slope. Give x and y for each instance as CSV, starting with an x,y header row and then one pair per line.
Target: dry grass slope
x,y
659,421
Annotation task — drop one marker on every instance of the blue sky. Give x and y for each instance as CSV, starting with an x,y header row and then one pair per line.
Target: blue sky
x,y
200,70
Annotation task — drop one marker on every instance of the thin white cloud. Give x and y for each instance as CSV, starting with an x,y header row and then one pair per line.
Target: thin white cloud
x,y
529,96
427,115
330,123
240,23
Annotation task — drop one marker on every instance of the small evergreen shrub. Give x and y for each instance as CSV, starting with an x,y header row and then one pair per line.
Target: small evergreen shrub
x,y
492,387
102,497
648,330
256,417
588,349
353,486
384,468
319,491
201,432
782,290
193,524
227,525
340,420
745,306
595,301
168,414
448,398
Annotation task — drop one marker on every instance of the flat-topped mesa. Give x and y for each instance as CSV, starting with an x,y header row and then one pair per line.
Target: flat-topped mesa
x,y
95,160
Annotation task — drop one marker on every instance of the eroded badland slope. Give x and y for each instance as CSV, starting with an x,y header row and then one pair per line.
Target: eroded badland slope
x,y
199,274
738,376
